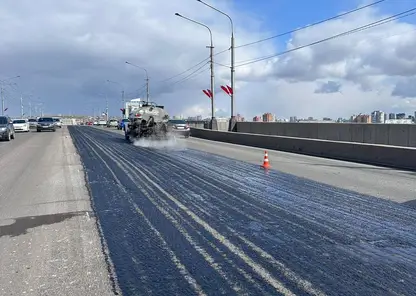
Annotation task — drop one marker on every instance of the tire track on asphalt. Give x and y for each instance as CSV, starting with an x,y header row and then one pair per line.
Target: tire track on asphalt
x,y
366,268
174,259
257,248
237,251
128,167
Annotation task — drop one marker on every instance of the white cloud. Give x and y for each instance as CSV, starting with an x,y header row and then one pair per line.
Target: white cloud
x,y
66,50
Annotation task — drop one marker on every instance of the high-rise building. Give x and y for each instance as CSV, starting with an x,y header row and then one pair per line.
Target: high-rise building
x,y
392,116
377,117
362,118
400,115
256,118
268,117
293,119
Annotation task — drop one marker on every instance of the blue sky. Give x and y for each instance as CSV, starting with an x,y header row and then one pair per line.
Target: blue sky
x,y
70,77
284,15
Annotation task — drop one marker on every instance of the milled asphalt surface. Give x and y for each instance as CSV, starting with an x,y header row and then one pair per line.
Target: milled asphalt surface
x,y
382,182
181,221
49,242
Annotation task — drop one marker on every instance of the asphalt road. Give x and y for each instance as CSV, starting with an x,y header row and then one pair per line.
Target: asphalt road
x,y
382,182
49,243
179,221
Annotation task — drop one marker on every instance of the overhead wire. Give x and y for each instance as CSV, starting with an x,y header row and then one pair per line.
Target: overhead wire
x,y
272,37
187,70
312,25
191,75
349,32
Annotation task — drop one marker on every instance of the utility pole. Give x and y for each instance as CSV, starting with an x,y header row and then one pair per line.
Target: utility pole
x,y
147,79
232,122
213,122
214,125
122,97
147,88
21,106
30,109
232,119
2,100
106,108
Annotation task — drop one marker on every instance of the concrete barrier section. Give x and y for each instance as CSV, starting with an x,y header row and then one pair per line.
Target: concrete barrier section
x,y
384,134
383,155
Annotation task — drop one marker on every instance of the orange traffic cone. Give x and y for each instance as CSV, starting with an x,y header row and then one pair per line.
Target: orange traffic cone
x,y
266,164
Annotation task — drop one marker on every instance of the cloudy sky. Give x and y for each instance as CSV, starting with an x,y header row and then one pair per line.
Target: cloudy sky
x,y
66,50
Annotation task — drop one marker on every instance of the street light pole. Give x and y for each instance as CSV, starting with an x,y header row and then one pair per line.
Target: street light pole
x,y
2,101
232,123
213,123
21,106
147,80
2,92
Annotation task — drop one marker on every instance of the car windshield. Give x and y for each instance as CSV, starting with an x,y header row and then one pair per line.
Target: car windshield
x,y
45,119
19,121
56,119
32,120
3,120
177,121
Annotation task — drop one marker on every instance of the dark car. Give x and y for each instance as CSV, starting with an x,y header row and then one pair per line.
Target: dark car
x,y
46,124
6,128
180,127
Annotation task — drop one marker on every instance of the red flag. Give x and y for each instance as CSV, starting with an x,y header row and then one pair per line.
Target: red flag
x,y
225,89
210,93
206,93
230,90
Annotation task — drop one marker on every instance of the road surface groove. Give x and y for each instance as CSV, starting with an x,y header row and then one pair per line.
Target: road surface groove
x,y
48,239
236,230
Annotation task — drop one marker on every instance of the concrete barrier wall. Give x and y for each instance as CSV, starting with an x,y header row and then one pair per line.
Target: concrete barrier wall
x,y
391,156
222,124
384,134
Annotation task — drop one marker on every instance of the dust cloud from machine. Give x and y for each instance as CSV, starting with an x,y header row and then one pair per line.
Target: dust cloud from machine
x,y
171,142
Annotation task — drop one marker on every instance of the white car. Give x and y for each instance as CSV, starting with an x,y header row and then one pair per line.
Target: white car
x,y
21,125
58,122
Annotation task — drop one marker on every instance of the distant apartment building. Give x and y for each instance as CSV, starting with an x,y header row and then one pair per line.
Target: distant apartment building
x,y
293,119
361,118
401,116
256,118
268,117
377,117
392,116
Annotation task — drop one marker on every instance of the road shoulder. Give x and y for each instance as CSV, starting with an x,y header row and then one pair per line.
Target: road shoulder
x,y
49,243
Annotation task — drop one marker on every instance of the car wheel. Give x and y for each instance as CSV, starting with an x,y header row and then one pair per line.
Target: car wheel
x,y
38,131
12,136
8,138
